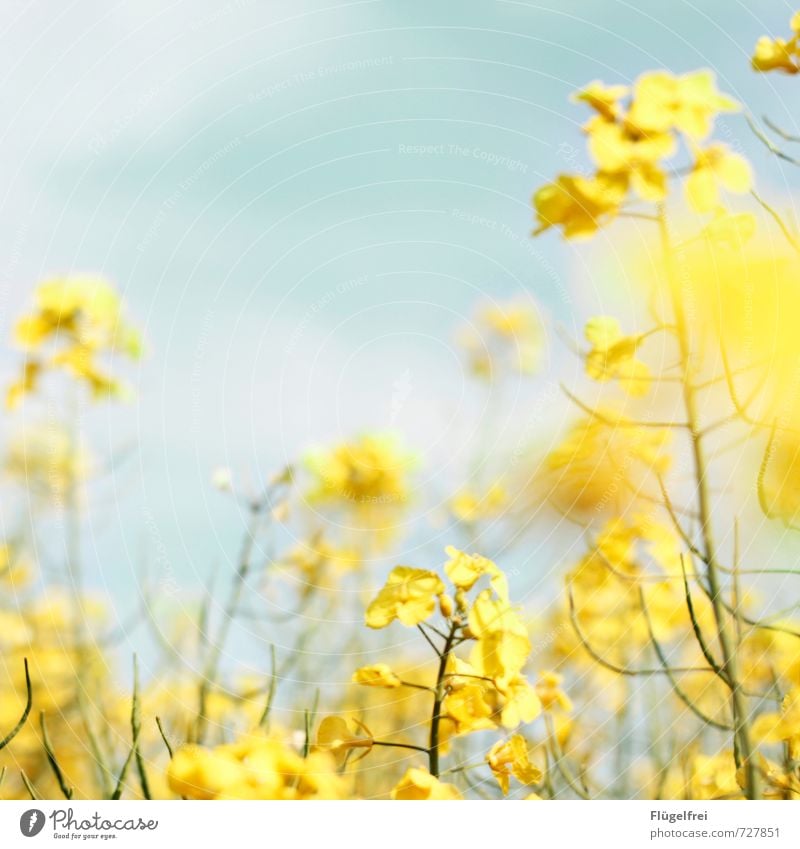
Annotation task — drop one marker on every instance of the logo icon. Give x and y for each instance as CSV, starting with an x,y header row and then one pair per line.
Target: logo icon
x,y
31,822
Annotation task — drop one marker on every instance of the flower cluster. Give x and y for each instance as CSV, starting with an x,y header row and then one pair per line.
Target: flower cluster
x,y
76,321
254,767
779,54
630,143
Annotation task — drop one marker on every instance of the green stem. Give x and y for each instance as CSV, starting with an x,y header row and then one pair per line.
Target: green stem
x,y
438,698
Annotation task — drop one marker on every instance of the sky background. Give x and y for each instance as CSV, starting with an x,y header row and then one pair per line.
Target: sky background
x,y
242,171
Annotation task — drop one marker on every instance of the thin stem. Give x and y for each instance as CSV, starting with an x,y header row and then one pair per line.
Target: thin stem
x,y
388,745
436,717
25,713
66,790
136,728
164,737
211,669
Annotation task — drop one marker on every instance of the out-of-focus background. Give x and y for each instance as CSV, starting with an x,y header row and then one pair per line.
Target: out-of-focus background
x,y
301,203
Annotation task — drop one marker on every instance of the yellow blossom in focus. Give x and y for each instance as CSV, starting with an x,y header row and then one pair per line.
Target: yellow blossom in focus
x,y
378,675
713,168
613,356
464,570
419,785
409,595
510,757
336,736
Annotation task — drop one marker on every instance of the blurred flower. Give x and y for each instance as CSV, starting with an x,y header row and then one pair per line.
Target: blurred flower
x,y
779,54
579,205
80,318
550,693
254,767
418,784
713,168
469,505
599,465
503,338
613,356
602,98
689,103
47,461
370,471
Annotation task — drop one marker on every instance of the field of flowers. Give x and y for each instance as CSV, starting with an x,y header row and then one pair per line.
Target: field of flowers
x,y
666,665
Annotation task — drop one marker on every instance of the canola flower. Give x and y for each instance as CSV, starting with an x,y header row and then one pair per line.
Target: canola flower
x,y
631,139
653,597
75,322
503,339
779,54
485,690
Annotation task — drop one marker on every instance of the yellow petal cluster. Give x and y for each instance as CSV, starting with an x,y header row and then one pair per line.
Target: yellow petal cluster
x,y
630,144
779,54
509,758
75,321
254,767
409,596
613,356
419,785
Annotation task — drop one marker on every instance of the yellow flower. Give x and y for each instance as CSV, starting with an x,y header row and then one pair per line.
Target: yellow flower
x,y
510,757
378,675
468,707
689,103
464,570
82,317
775,55
419,785
597,465
371,471
602,98
46,459
714,167
408,595
773,727
779,54
580,205
619,150
502,646
614,356
335,736
254,767
517,702
468,505
502,337
548,689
